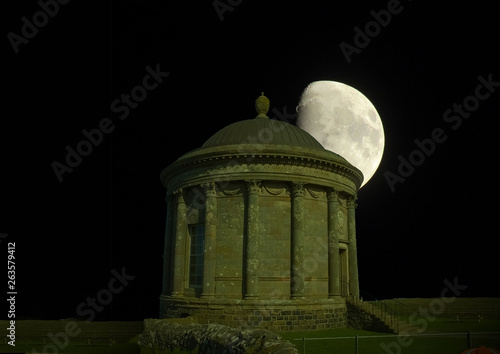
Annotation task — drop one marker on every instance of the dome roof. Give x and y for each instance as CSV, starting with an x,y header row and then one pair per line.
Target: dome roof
x,y
261,148
263,130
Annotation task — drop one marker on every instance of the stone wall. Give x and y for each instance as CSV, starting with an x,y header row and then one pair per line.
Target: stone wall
x,y
315,242
211,338
274,244
229,245
273,315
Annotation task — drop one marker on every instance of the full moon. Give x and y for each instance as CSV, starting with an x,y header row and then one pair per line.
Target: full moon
x,y
344,121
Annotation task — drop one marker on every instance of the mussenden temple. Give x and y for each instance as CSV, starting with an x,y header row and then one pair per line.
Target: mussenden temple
x,y
260,229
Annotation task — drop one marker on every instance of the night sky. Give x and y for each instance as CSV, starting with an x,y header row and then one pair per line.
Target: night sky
x,y
84,64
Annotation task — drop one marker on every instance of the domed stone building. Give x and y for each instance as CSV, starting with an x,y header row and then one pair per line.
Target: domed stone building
x,y
260,229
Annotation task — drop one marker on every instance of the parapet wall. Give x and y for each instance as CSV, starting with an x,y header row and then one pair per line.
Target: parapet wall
x,y
211,338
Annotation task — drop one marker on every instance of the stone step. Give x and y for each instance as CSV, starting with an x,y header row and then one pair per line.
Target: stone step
x,y
398,326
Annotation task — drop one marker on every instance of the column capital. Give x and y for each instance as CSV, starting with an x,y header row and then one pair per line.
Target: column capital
x,y
178,194
253,186
351,202
298,189
210,189
332,195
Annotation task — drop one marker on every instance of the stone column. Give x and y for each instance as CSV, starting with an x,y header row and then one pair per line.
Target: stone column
x,y
179,244
168,248
252,240
297,241
209,257
353,258
333,245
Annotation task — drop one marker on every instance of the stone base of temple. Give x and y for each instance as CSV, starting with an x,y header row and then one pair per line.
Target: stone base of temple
x,y
273,315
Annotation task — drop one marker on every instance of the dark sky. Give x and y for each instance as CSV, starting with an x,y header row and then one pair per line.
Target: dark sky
x,y
109,212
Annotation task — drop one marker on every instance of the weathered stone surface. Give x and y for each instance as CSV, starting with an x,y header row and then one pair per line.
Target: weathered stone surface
x,y
211,338
260,314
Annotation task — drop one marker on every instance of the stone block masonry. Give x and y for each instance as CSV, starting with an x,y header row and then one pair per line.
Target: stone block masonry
x,y
272,315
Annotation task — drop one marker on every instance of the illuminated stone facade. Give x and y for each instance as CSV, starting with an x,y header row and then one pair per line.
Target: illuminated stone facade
x,y
260,230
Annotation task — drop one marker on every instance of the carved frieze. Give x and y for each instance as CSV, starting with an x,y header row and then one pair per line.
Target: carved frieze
x,y
316,192
225,167
232,189
275,189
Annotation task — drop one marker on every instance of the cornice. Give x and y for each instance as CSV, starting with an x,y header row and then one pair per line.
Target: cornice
x,y
230,160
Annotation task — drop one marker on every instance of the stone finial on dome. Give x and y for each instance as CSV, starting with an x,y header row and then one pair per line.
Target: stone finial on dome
x,y
262,106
